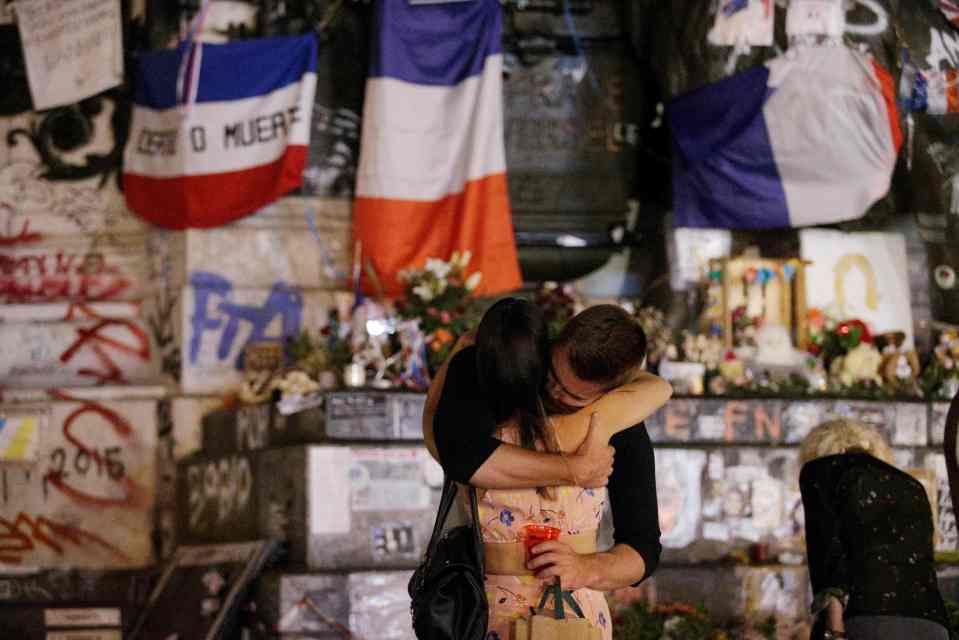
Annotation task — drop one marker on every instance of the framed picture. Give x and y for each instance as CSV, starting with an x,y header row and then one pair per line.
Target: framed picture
x,y
755,293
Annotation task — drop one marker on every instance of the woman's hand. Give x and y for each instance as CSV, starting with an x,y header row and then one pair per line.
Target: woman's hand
x,y
834,618
556,558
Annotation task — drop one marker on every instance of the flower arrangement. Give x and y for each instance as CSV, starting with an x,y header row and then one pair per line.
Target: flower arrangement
x,y
681,621
849,353
659,337
940,378
324,354
440,298
558,303
707,350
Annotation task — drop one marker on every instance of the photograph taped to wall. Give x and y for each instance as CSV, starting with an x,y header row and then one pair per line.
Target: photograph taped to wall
x,y
860,276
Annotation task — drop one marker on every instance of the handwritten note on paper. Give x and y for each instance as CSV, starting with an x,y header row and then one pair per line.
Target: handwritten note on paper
x,y
73,48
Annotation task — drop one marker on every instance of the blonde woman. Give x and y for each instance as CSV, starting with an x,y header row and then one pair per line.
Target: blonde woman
x,y
869,540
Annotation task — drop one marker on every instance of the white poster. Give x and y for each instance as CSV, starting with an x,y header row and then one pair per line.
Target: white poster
x,y
860,276
73,48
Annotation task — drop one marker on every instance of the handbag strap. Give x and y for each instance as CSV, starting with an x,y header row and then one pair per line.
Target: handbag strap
x,y
474,512
446,502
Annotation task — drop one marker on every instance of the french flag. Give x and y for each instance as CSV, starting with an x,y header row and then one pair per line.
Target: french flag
x,y
809,138
237,144
951,9
432,169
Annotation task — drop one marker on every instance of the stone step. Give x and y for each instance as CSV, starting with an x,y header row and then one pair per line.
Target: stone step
x,y
369,604
337,507
61,345
67,587
106,622
351,416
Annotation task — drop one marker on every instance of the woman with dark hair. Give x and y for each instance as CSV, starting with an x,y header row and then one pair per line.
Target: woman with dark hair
x,y
512,360
513,366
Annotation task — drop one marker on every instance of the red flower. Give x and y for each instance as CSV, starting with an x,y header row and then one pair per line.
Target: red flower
x,y
845,328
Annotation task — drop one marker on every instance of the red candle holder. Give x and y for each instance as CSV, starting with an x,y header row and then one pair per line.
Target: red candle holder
x,y
533,534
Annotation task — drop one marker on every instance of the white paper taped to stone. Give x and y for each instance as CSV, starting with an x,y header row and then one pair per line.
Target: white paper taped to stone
x,y
388,480
73,49
329,477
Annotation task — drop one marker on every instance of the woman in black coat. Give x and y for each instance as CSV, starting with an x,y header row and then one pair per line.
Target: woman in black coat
x,y
869,540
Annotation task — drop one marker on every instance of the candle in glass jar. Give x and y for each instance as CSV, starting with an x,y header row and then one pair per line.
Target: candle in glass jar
x,y
354,375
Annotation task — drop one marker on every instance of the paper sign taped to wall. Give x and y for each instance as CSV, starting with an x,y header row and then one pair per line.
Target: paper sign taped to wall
x,y
73,49
329,502
20,436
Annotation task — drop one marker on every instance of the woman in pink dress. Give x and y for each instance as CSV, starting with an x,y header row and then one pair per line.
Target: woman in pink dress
x,y
513,363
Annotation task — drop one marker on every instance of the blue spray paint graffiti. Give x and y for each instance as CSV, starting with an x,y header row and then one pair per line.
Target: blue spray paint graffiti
x,y
213,310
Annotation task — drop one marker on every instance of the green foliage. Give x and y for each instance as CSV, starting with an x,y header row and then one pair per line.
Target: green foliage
x,y
299,347
952,613
330,350
666,622
768,628
638,622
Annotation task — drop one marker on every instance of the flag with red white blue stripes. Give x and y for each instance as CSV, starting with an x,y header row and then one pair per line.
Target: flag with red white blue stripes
x,y
219,130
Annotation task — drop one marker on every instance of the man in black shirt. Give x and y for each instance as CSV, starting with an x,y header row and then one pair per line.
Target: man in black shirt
x,y
596,352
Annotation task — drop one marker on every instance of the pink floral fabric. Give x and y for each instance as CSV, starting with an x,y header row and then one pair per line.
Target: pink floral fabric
x,y
503,514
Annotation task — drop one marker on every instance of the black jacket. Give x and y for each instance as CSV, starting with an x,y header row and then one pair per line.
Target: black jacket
x,y
869,536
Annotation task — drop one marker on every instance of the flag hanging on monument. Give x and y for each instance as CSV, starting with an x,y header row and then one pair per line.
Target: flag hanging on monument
x,y
809,138
219,130
432,169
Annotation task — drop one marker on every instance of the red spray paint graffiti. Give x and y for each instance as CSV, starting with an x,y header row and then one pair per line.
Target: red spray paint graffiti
x,y
95,339
9,237
22,536
133,496
48,277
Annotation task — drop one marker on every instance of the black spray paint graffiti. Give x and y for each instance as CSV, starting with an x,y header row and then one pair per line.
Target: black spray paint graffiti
x,y
58,132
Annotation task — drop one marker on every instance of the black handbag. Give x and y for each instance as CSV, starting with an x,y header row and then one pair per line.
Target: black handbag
x,y
448,597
